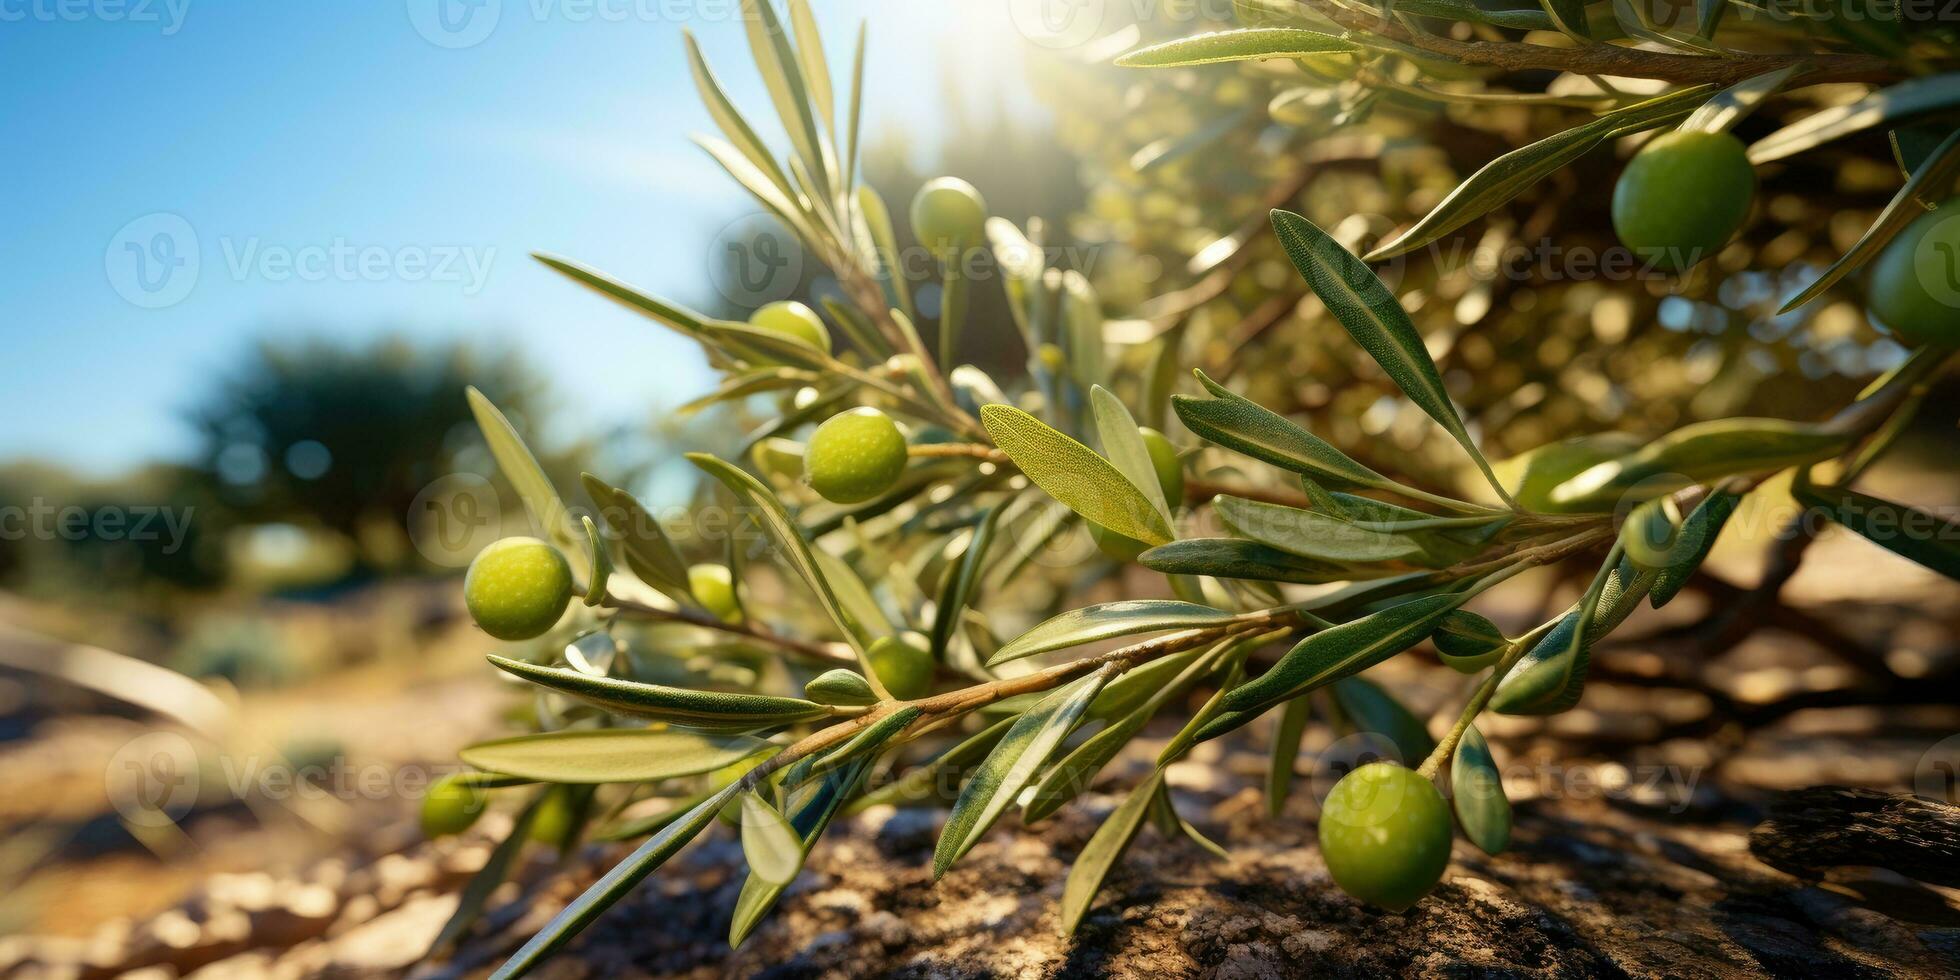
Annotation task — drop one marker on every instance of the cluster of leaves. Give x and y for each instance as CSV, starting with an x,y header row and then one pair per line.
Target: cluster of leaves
x,y
1326,566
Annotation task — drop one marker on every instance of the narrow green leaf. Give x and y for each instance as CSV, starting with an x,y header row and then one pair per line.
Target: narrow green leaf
x,y
1467,642
610,755
1313,535
1376,321
729,119
1905,531
1708,13
680,318
1734,104
1122,442
865,743
769,43
1909,98
600,571
1246,427
770,844
1238,558
854,596
1073,474
487,879
759,896
1107,620
961,584
642,826
707,710
614,885
840,686
1240,45
1511,174
1551,677
810,59
775,520
1338,652
1477,794
929,781
1937,173
1700,453
515,461
1105,847
1568,16
1465,10
878,224
1698,534
1010,767
1065,780
1373,709
649,553
1286,749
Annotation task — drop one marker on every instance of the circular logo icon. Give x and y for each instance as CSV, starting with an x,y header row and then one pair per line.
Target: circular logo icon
x,y
1057,24
152,780
455,23
1345,755
153,261
754,260
1937,777
1936,260
454,518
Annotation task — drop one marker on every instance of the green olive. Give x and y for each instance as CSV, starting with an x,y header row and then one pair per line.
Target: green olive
x,y
1682,197
721,779
517,588
553,822
451,806
1170,477
948,213
905,669
1915,284
1385,834
854,456
714,589
793,319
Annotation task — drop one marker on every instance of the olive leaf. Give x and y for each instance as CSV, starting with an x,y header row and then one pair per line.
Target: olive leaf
x,y
729,119
1909,98
712,711
1311,534
680,318
788,89
1697,454
962,581
1551,676
1240,45
614,885
854,596
1708,13
649,553
1248,428
610,755
1334,653
771,845
769,512
840,686
1105,847
758,896
1073,474
810,61
1697,538
1734,104
1123,443
864,743
1375,319
878,224
600,571
1477,794
1568,16
1238,558
1904,531
1465,10
1937,172
928,781
1293,720
1373,709
1511,174
1011,766
1107,620
515,461
1468,642
487,879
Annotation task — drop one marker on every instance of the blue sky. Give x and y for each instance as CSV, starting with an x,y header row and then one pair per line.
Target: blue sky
x,y
332,170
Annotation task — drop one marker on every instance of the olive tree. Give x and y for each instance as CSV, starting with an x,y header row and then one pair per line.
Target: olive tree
x,y
890,610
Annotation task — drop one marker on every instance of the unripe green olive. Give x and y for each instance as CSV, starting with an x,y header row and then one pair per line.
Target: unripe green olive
x,y
721,779
905,669
714,589
793,319
1915,284
451,806
1682,197
517,588
948,213
553,822
1385,834
1170,477
854,456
